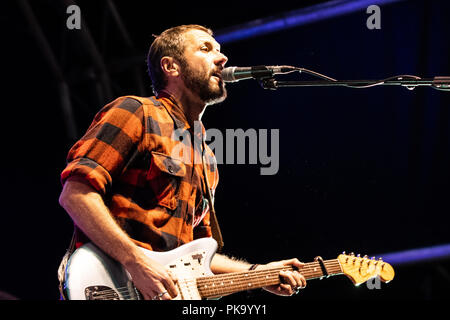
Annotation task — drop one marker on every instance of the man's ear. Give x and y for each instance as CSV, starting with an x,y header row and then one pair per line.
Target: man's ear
x,y
170,66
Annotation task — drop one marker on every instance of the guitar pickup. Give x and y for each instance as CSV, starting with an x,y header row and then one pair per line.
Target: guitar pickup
x,y
198,257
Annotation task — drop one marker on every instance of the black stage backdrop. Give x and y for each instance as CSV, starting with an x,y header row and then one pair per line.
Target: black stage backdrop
x,y
362,170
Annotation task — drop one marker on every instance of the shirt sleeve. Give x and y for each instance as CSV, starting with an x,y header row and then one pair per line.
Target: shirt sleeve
x,y
103,151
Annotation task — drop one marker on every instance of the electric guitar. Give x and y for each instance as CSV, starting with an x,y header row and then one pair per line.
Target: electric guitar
x,y
93,275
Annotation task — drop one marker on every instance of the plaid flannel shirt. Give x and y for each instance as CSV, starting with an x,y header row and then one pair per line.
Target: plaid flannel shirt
x,y
150,179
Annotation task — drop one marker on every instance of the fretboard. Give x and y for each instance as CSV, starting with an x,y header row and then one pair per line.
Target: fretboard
x,y
224,284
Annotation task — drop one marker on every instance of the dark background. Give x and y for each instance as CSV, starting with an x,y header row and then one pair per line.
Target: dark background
x,y
362,170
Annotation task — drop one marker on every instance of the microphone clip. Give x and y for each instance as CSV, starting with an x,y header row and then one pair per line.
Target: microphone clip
x,y
268,83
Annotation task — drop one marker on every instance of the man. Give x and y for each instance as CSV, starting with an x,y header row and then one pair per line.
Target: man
x,y
123,186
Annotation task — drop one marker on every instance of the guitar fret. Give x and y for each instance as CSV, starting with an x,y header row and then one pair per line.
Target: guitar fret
x,y
230,283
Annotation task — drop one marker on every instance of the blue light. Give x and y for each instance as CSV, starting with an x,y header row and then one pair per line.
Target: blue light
x,y
417,255
295,18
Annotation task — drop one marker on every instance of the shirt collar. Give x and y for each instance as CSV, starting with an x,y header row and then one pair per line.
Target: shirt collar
x,y
173,107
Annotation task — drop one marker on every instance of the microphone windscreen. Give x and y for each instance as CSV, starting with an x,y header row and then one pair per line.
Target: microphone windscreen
x,y
228,74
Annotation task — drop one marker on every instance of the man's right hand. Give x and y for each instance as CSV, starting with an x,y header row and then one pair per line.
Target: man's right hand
x,y
152,279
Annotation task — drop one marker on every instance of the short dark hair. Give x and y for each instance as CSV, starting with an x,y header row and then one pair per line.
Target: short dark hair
x,y
169,43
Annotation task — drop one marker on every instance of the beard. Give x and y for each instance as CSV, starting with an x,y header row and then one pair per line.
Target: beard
x,y
200,84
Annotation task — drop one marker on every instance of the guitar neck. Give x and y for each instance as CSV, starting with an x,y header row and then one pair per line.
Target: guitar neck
x,y
224,284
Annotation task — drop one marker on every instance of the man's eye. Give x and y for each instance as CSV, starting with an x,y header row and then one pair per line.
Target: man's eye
x,y
204,48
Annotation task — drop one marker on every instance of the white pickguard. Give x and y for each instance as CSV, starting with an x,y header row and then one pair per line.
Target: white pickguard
x,y
93,275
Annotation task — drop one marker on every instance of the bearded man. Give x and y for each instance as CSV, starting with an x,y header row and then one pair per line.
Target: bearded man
x,y
124,188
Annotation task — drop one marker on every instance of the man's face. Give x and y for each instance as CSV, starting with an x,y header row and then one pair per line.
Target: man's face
x,y
202,67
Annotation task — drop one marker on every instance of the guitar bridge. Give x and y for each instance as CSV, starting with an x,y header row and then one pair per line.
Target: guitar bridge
x,y
100,293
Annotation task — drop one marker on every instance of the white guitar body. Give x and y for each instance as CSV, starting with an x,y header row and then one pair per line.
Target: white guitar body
x,y
93,275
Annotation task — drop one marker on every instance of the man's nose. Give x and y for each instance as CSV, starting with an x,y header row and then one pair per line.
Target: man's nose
x,y
221,59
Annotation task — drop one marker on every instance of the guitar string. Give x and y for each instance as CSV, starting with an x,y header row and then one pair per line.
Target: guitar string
x,y
218,291
242,285
246,275
244,282
211,291
305,270
250,276
257,273
124,291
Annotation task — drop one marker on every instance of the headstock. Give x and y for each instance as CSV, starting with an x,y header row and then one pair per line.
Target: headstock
x,y
359,270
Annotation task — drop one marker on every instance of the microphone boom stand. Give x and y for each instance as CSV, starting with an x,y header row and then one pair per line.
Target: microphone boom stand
x,y
410,82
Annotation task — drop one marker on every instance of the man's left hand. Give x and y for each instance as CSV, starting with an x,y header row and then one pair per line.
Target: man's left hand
x,y
291,281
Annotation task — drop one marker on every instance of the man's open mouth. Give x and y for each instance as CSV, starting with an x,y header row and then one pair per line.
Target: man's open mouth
x,y
218,75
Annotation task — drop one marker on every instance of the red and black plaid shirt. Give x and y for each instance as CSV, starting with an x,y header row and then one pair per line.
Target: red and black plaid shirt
x,y
150,179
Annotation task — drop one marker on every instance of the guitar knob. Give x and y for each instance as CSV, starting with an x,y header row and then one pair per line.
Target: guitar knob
x,y
352,254
365,257
343,252
359,256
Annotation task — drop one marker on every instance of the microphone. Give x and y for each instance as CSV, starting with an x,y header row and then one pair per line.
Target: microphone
x,y
234,74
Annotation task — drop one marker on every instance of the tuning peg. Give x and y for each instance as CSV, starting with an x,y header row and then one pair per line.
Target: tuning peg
x,y
367,260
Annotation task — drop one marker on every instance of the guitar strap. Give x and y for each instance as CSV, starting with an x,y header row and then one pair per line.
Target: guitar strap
x,y
215,229
63,264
